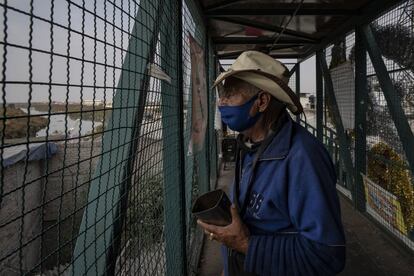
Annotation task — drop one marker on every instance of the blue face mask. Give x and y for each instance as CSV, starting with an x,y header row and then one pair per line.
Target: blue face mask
x,y
237,117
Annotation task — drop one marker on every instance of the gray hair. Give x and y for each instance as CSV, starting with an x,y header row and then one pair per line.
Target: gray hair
x,y
233,84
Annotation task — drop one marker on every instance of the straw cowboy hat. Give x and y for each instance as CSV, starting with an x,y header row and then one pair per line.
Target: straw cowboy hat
x,y
265,73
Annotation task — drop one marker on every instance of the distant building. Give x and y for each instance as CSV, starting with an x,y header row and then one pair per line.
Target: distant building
x,y
312,101
96,103
307,100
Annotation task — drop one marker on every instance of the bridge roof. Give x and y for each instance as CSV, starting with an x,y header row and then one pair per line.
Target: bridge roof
x,y
284,28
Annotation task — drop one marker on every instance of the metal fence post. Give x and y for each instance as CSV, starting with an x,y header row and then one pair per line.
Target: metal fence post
x,y
344,147
173,138
94,245
361,97
391,96
297,79
209,126
211,107
319,98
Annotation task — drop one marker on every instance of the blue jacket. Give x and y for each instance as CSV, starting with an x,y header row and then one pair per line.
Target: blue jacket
x,y
293,212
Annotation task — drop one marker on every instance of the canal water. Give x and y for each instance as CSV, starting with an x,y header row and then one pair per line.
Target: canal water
x,y
57,125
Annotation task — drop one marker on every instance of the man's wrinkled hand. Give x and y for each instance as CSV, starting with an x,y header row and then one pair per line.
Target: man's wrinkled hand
x,y
235,235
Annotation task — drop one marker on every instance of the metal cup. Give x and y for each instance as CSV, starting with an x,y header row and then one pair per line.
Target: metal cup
x,y
213,208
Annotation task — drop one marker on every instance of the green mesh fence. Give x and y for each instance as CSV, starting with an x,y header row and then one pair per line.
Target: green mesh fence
x,y
95,124
387,161
385,188
213,134
196,162
341,65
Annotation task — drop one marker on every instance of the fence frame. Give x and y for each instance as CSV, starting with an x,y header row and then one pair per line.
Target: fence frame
x,y
297,85
174,184
319,98
361,99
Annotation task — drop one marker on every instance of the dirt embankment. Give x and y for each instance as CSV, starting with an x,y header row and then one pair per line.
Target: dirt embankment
x,y
12,127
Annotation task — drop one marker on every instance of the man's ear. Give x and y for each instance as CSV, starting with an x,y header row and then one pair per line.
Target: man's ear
x,y
264,100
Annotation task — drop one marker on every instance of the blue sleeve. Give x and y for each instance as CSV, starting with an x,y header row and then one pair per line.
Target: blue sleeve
x,y
223,250
317,247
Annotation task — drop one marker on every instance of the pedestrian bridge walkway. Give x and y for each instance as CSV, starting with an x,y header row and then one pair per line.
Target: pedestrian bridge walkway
x,y
109,128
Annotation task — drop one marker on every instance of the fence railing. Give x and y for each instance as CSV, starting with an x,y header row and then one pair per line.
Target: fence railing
x,y
97,168
368,101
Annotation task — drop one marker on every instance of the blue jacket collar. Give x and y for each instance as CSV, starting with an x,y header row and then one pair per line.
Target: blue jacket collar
x,y
280,145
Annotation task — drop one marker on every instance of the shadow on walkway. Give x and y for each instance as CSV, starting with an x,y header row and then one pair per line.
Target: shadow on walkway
x,y
370,251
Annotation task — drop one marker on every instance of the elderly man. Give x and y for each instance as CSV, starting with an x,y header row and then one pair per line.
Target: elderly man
x,y
286,214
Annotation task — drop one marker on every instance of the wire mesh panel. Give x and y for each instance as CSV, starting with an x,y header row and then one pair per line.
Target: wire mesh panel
x,y
198,159
341,64
340,61
191,28
90,129
60,64
388,172
292,79
387,177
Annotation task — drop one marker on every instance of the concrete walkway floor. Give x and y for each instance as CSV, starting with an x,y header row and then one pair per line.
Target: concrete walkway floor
x,y
370,251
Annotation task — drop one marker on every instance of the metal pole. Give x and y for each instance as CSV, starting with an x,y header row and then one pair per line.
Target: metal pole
x,y
297,72
209,126
361,97
319,97
173,138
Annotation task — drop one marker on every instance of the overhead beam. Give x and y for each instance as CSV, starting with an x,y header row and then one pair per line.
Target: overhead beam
x,y
285,11
282,9
266,27
235,53
280,47
222,5
264,50
278,56
259,40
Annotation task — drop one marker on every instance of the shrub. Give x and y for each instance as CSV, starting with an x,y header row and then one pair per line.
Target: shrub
x,y
387,169
145,219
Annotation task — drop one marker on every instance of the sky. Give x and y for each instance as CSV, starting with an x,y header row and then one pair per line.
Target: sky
x,y
17,65
308,76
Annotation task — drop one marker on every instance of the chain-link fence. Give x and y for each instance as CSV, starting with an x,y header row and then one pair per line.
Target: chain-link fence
x,y
98,163
388,171
100,121
383,186
341,64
